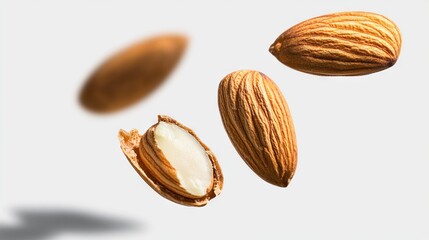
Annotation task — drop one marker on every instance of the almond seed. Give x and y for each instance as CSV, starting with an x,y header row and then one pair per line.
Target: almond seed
x,y
258,122
340,44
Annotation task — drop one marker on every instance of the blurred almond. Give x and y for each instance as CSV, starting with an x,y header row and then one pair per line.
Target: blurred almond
x,y
132,74
340,44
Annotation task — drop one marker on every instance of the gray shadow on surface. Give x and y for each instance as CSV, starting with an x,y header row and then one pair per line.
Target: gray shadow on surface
x,y
37,224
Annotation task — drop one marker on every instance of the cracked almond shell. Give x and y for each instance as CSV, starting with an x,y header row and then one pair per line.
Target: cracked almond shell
x,y
150,162
340,44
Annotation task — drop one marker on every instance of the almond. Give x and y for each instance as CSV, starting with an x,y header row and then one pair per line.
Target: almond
x,y
340,44
257,120
132,74
174,162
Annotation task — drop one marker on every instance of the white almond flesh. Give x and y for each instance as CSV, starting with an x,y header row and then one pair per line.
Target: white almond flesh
x,y
191,162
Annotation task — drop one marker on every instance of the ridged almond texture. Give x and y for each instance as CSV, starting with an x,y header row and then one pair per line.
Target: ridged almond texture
x,y
258,122
151,164
132,74
340,44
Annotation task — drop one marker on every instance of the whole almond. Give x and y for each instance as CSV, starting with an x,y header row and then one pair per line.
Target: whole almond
x,y
340,44
132,74
258,122
174,162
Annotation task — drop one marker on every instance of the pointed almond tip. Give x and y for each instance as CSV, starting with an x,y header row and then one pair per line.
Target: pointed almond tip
x,y
182,40
276,181
392,62
282,184
275,48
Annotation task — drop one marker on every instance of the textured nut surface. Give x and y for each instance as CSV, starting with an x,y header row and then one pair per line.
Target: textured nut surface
x,y
148,159
258,122
132,74
340,44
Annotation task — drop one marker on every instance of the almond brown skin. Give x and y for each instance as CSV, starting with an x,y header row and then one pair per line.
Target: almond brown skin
x,y
132,74
340,44
151,164
258,122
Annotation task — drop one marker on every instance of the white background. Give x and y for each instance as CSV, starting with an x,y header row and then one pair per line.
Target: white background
x,y
363,141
